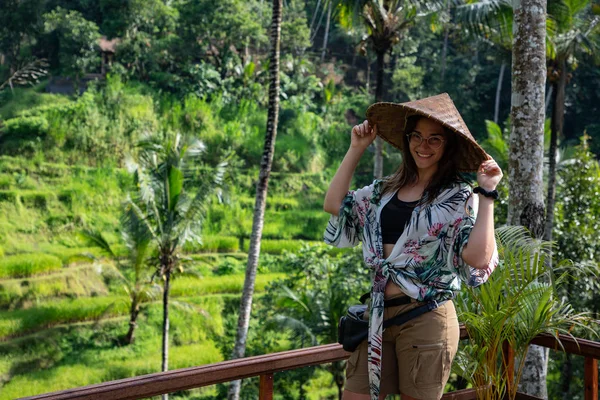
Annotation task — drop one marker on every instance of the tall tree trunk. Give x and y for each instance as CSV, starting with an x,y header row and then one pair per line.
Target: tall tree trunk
x,y
368,83
133,314
549,97
261,195
556,128
378,161
445,47
527,148
314,17
316,30
444,53
165,343
498,92
326,37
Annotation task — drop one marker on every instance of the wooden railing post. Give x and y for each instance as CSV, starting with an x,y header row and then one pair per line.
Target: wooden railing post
x,y
591,378
265,387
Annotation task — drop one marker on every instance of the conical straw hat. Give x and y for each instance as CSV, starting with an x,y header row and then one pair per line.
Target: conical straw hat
x,y
391,119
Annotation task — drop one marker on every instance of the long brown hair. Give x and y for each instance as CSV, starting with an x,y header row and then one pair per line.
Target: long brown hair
x,y
447,172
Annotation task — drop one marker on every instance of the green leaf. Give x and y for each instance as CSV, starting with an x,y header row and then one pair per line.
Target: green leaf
x,y
175,187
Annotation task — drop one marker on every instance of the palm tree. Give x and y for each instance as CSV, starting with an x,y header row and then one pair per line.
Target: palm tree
x,y
134,274
164,206
261,195
575,32
386,21
526,145
490,21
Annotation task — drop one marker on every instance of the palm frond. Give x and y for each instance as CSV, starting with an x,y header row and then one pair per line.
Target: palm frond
x,y
288,293
518,238
96,238
136,222
149,292
29,74
490,19
299,328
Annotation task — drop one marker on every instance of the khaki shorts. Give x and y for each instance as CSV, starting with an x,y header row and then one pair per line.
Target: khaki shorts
x,y
416,356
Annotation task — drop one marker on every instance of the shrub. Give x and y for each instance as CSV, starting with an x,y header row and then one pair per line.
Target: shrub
x,y
36,199
273,203
229,266
6,182
8,195
24,265
26,127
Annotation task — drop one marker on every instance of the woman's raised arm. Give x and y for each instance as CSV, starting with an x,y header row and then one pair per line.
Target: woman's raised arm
x,y
482,242
362,136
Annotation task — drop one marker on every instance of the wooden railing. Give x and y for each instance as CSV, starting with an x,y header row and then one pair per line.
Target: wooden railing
x,y
267,365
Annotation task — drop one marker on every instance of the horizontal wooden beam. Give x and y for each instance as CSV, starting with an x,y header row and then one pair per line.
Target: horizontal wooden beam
x,y
580,347
206,375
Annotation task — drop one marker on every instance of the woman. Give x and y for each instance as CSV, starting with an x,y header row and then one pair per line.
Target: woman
x,y
422,231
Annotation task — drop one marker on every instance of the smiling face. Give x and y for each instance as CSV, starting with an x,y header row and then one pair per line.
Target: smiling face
x,y
427,157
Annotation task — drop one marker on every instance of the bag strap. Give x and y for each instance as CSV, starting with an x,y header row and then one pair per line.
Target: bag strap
x,y
364,297
414,313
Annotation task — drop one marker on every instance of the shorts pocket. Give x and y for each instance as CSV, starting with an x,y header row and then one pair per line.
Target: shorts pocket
x,y
428,370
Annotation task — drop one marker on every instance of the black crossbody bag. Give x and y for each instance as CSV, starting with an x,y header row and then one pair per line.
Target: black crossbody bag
x,y
353,329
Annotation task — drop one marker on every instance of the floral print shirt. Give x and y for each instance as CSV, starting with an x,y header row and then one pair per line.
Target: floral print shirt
x,y
426,261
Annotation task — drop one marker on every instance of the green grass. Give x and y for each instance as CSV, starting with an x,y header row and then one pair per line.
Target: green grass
x,y
81,281
69,255
23,99
24,265
214,244
114,364
76,355
49,313
190,286
279,246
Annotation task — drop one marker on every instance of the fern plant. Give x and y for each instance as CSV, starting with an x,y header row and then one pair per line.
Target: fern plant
x,y
518,302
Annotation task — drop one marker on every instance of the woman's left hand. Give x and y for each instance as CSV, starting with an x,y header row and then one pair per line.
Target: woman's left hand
x,y
489,174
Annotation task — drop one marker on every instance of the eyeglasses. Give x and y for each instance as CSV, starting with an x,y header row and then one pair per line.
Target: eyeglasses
x,y
435,142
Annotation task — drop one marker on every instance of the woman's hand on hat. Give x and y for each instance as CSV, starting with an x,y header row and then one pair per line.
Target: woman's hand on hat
x,y
363,135
489,174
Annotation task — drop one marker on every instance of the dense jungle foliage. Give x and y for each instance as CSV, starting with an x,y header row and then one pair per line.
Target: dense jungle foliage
x,y
84,82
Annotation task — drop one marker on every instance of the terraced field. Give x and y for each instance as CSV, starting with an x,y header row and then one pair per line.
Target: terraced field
x,y
63,309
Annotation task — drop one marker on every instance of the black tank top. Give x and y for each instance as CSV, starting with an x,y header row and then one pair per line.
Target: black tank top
x,y
394,217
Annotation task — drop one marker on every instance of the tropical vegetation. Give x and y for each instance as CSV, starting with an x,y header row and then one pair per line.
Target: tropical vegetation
x,y
133,138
